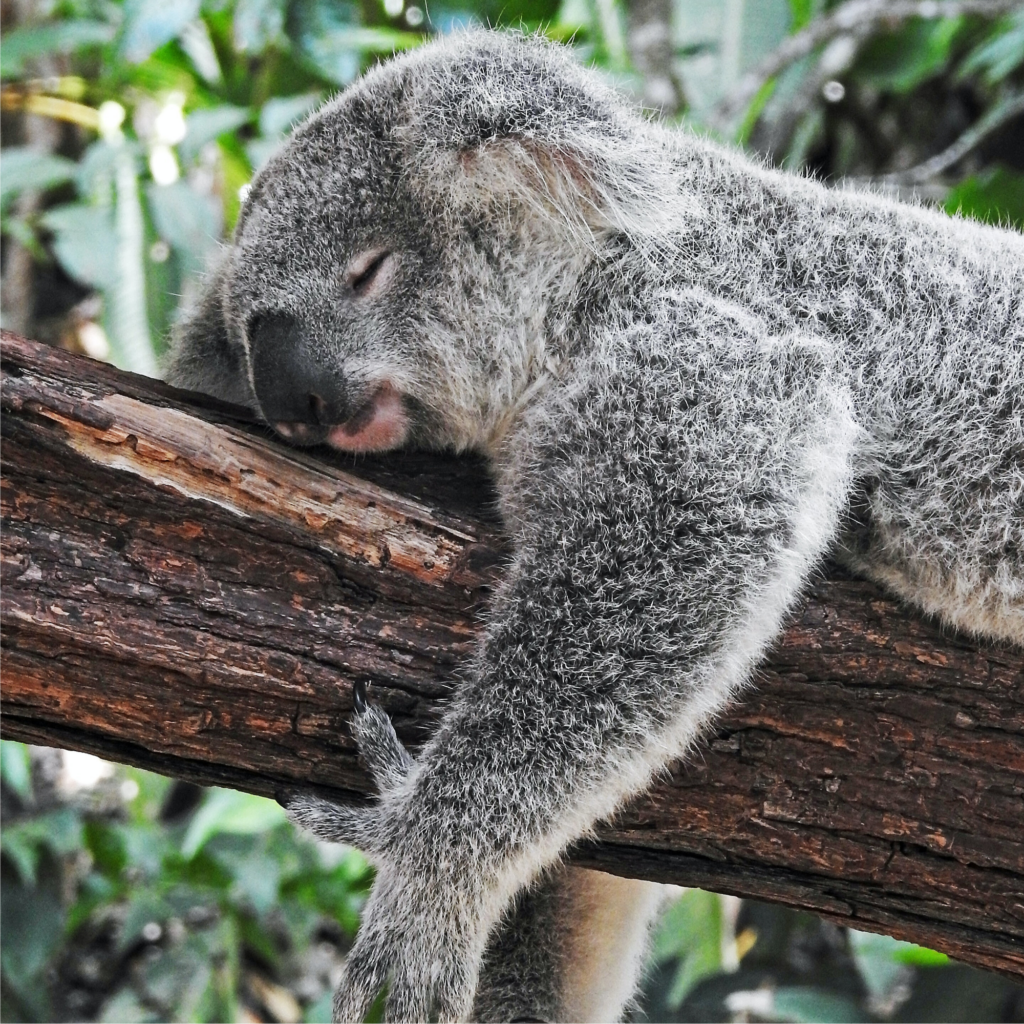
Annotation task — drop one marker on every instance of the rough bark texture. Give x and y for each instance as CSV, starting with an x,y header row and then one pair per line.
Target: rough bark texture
x,y
184,593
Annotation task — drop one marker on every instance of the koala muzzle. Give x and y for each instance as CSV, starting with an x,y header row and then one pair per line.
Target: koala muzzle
x,y
299,394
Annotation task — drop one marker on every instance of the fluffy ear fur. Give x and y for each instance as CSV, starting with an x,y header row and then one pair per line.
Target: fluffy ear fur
x,y
494,129
203,356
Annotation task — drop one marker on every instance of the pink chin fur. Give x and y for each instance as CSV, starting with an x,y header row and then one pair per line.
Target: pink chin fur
x,y
383,426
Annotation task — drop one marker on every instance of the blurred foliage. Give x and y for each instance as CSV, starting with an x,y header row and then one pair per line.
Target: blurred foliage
x,y
130,128
143,899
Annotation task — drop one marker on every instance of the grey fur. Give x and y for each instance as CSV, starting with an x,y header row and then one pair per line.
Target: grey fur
x,y
693,377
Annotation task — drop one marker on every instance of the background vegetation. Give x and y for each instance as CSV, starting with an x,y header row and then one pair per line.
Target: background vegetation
x,y
129,128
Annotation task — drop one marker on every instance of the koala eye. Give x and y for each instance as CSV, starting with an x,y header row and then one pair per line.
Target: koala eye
x,y
365,271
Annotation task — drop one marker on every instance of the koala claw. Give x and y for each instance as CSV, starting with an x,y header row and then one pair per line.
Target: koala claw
x,y
359,696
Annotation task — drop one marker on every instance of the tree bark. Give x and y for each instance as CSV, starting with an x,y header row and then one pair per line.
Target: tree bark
x,y
183,593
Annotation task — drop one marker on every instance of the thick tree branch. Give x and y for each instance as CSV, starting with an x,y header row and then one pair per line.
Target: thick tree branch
x,y
183,593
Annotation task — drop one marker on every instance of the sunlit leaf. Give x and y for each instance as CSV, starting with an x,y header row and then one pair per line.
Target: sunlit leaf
x,y
1001,53
690,931
881,959
279,114
84,242
224,810
801,12
22,168
815,1006
257,24
15,768
151,23
204,126
876,961
22,45
996,196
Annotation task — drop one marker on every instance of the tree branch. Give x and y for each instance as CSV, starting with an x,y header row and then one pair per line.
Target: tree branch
x,y
185,594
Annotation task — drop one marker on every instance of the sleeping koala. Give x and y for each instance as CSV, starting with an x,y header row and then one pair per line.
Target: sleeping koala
x,y
692,377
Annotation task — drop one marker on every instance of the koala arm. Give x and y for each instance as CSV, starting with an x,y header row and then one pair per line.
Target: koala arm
x,y
667,499
203,356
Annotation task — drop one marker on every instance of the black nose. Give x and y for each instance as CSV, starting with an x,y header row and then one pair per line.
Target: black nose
x,y
294,387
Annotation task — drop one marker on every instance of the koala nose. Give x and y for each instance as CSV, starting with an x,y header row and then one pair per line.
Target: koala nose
x,y
297,392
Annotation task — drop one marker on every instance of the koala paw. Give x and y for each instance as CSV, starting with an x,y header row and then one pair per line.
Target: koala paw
x,y
421,933
389,763
418,946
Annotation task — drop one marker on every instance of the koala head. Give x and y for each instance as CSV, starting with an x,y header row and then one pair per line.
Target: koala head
x,y
395,266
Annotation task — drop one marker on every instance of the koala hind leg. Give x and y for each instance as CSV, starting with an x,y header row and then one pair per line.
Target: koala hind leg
x,y
571,948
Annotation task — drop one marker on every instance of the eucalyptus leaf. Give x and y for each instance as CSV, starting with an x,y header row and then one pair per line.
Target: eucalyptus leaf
x,y
22,168
187,220
258,24
279,114
15,768
203,126
23,45
84,242
224,810
151,23
815,1006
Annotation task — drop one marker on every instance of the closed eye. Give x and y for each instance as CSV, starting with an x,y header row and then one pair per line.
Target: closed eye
x,y
363,270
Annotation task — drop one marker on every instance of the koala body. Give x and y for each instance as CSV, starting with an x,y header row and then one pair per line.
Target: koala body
x,y
692,376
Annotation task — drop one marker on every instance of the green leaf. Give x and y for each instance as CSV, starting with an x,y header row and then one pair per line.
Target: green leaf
x,y
258,24
23,852
801,12
151,23
59,831
900,61
84,242
22,169
815,1006
15,768
1000,54
333,41
995,196
279,114
690,931
125,1005
32,923
880,959
22,45
224,810
189,221
203,126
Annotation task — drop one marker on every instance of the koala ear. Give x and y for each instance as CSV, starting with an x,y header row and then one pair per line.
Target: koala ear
x,y
509,122
203,357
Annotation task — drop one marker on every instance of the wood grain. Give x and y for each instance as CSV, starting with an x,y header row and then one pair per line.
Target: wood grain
x,y
183,593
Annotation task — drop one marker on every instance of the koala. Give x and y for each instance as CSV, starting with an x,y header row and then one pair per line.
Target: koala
x,y
692,376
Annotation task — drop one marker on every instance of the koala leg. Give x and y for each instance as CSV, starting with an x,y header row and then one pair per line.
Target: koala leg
x,y
651,571
571,948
